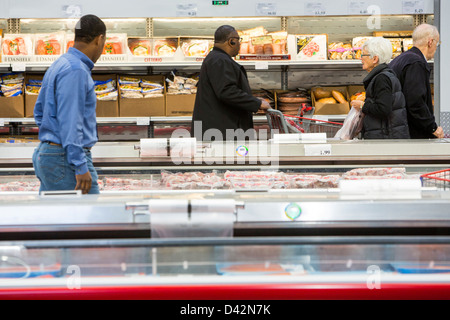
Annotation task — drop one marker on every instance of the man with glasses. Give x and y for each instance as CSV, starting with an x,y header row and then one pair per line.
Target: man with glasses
x,y
414,73
224,101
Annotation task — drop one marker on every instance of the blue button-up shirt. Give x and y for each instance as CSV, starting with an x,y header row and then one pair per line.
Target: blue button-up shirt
x,y
65,108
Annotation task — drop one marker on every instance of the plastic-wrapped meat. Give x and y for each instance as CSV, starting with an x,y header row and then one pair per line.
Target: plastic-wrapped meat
x,y
388,176
313,181
375,172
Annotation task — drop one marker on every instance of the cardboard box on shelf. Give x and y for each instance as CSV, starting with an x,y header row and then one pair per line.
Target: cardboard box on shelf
x,y
107,108
30,99
143,107
180,104
12,107
331,108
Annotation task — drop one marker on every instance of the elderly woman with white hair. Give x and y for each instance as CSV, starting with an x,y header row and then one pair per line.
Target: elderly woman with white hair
x,y
384,109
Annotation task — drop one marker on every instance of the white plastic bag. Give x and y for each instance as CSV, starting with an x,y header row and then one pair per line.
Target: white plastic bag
x,y
352,126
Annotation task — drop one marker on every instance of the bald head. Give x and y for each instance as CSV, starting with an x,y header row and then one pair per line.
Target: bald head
x,y
424,33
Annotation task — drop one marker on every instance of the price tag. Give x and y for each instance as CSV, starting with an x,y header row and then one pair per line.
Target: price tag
x,y
266,9
261,65
317,150
358,8
315,9
413,7
143,121
187,10
2,122
18,67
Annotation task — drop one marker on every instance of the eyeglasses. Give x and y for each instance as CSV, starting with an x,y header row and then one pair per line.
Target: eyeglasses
x,y
240,39
365,55
438,43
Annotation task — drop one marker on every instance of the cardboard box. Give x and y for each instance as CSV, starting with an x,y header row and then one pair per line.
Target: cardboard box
x,y
30,99
180,105
143,107
12,107
107,108
331,109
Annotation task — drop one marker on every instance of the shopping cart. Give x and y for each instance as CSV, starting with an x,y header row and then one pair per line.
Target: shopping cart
x,y
282,123
438,179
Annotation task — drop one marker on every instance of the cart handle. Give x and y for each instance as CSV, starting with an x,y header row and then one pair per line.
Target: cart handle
x,y
324,121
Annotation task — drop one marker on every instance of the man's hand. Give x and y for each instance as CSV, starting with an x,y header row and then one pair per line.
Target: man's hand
x,y
84,182
439,133
264,105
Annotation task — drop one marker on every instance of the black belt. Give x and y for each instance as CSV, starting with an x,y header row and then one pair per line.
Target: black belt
x,y
59,145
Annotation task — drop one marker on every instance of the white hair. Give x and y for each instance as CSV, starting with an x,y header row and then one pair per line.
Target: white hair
x,y
423,33
379,47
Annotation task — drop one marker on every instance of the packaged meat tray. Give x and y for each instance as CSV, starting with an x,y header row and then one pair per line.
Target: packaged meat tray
x,y
309,47
18,48
48,47
140,49
140,46
165,47
196,47
340,51
115,48
259,44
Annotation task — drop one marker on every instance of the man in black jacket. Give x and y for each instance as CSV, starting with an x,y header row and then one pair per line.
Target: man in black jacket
x,y
224,103
413,72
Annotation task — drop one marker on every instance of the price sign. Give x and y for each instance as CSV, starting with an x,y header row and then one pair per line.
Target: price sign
x,y
187,10
266,9
315,9
261,65
413,7
18,67
144,121
358,8
318,150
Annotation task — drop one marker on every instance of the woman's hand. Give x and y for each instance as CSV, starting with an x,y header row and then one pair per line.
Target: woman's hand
x,y
357,104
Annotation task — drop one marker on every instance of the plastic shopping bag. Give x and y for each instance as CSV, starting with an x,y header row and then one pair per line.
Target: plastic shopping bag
x,y
352,126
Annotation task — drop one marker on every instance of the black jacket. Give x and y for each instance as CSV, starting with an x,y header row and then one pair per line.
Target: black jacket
x,y
224,98
384,110
414,73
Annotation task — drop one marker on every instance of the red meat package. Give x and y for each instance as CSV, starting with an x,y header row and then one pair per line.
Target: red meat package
x,y
17,45
49,44
311,47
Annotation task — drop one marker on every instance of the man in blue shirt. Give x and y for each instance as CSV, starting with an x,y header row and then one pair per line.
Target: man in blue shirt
x,y
65,113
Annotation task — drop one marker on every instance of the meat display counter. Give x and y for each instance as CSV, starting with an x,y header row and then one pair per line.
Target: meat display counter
x,y
228,269
232,230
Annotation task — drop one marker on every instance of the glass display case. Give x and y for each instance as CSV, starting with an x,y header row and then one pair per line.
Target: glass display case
x,y
228,269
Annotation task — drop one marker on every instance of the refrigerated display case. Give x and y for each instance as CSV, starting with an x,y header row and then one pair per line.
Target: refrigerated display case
x,y
141,239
